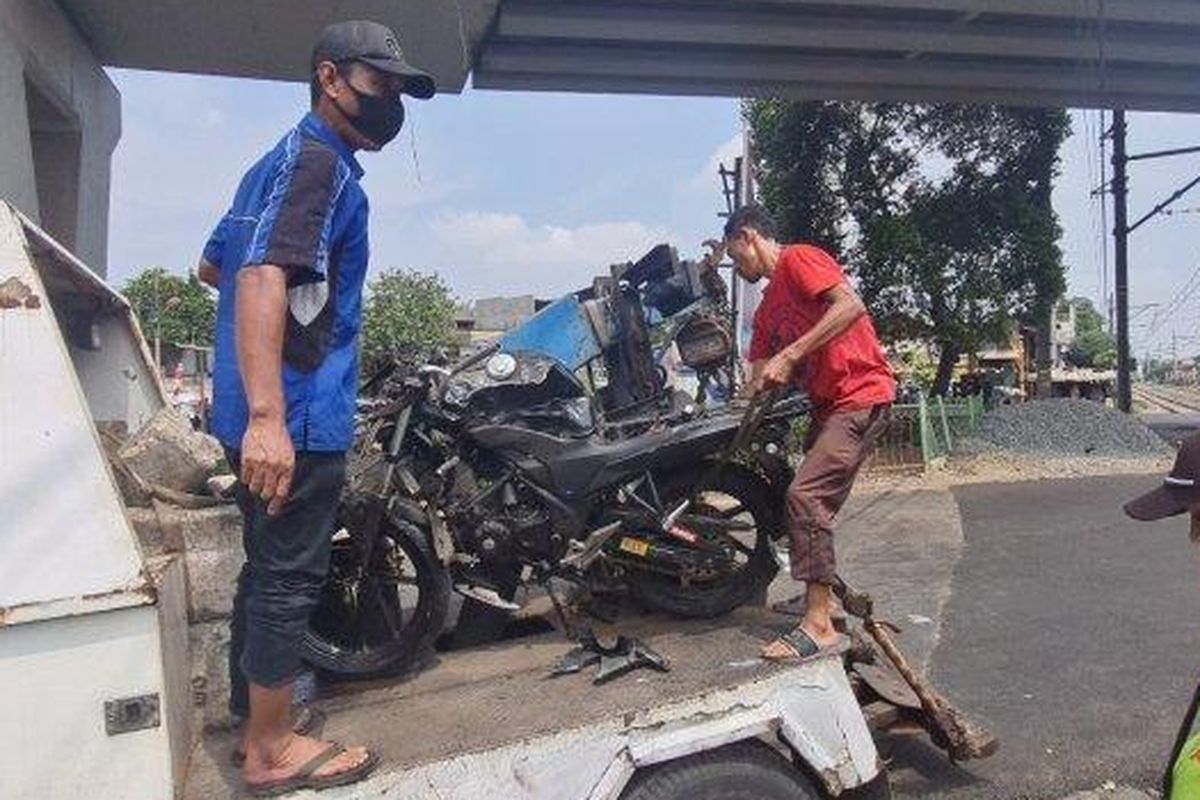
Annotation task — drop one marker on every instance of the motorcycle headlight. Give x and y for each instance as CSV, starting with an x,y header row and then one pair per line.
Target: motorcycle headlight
x,y
501,367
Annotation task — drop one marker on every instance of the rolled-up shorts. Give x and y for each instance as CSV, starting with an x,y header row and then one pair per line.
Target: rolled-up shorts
x,y
287,560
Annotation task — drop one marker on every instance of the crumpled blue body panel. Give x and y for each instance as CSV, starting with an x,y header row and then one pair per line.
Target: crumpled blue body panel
x,y
560,331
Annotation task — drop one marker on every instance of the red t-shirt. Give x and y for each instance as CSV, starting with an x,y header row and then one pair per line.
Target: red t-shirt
x,y
849,372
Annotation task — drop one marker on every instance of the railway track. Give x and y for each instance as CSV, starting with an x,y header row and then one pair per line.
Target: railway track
x,y
1166,400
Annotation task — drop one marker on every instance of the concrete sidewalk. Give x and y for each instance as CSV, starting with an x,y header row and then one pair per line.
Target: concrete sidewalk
x,y
900,544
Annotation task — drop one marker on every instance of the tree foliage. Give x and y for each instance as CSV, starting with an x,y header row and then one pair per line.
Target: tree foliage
x,y
1093,346
180,309
408,316
942,212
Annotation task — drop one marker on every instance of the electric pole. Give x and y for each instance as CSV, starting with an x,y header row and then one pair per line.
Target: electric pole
x,y
1120,189
1121,230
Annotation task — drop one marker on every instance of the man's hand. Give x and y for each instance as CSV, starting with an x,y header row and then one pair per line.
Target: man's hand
x,y
268,460
778,371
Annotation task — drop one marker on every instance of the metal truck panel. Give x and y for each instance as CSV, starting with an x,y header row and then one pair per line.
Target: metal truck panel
x,y
65,545
56,677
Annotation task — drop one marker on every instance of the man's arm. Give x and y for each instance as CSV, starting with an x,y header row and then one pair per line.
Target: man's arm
x,y
268,455
844,309
208,273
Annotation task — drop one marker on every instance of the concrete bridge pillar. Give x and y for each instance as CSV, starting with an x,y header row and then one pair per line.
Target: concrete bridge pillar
x,y
61,120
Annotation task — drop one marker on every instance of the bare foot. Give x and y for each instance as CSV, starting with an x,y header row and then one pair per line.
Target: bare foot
x,y
780,649
261,767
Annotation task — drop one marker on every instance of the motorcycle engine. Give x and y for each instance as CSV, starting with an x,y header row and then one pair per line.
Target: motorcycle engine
x,y
511,527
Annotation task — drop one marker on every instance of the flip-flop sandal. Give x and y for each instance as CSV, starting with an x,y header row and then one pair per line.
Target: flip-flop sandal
x,y
305,777
308,721
804,648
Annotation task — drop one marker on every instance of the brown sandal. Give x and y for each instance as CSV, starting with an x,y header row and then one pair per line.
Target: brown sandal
x,y
305,777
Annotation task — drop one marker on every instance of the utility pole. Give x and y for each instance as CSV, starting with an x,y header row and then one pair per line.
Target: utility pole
x,y
1174,356
1121,230
1120,189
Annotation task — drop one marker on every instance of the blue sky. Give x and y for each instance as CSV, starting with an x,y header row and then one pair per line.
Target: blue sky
x,y
519,192
497,192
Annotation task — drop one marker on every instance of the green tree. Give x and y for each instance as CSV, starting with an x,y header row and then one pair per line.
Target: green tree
x,y
1093,346
408,316
1157,371
179,309
800,151
954,254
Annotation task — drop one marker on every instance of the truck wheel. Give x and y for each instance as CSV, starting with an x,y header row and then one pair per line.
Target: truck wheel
x,y
747,770
878,789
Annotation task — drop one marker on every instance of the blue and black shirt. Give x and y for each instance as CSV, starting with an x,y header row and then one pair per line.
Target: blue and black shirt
x,y
300,207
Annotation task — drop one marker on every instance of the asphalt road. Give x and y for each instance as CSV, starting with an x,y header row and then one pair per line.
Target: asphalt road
x,y
1172,427
1072,632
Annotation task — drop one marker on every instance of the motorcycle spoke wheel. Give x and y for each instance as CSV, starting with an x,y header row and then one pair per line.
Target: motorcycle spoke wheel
x,y
737,544
377,623
737,513
389,616
730,513
717,522
738,530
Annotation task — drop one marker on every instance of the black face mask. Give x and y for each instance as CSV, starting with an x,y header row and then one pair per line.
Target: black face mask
x,y
379,118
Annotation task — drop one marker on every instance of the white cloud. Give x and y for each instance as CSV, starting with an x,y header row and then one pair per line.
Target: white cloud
x,y
214,117
725,154
483,253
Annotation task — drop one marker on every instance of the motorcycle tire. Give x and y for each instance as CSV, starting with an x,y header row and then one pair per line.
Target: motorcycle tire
x,y
706,600
358,648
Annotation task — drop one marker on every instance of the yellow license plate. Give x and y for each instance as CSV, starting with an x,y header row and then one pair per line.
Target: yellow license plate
x,y
635,546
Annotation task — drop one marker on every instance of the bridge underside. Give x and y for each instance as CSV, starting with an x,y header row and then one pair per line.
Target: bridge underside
x,y
1137,54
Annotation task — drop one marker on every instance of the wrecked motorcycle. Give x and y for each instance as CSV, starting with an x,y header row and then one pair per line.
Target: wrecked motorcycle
x,y
561,452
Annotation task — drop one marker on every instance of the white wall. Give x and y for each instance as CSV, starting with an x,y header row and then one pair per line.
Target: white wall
x,y
40,46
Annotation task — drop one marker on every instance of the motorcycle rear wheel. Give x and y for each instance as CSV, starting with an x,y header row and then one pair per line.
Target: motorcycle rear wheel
x,y
718,597
378,622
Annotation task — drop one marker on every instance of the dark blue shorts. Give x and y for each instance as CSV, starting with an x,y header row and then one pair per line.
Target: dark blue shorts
x,y
287,558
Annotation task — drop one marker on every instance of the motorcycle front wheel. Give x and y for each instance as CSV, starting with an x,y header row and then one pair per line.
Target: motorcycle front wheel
x,y
378,619
735,507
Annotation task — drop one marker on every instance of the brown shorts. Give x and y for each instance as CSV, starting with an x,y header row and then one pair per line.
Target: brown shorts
x,y
834,450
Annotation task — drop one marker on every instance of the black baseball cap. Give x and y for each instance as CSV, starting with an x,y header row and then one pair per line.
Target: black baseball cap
x,y
374,44
1180,489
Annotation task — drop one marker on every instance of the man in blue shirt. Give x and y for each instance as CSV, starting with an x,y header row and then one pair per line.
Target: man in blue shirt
x,y
289,258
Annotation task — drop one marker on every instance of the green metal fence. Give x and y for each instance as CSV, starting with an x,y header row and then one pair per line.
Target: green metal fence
x,y
921,433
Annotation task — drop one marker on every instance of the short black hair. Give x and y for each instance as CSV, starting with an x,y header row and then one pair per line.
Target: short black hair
x,y
753,216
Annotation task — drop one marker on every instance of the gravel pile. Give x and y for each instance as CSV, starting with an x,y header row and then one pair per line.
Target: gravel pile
x,y
1065,428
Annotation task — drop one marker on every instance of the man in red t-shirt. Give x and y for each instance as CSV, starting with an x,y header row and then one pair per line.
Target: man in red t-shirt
x,y
811,328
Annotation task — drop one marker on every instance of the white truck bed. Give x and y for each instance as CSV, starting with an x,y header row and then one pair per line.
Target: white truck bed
x,y
489,723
